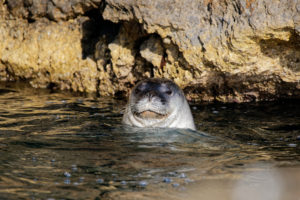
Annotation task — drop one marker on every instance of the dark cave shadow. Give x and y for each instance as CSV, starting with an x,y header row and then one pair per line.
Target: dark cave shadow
x,y
95,28
288,52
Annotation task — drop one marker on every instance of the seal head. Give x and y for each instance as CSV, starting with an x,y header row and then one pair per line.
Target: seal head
x,y
158,102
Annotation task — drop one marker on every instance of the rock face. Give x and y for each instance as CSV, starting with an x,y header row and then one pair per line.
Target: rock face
x,y
230,51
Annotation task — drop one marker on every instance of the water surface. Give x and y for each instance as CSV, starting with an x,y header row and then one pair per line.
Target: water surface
x,y
59,145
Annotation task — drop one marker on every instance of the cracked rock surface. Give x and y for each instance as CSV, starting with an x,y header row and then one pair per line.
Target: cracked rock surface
x,y
230,51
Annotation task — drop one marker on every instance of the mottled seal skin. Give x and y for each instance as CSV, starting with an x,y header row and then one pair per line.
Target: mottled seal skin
x,y
158,102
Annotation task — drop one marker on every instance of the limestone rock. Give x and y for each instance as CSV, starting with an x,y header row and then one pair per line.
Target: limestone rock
x,y
152,51
40,52
227,48
52,9
122,51
231,51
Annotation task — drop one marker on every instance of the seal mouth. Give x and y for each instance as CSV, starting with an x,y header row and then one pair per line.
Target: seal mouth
x,y
149,114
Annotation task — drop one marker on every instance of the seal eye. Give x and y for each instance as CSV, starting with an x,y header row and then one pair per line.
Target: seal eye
x,y
140,88
169,92
137,90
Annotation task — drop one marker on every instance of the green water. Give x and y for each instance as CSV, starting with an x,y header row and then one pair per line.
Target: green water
x,y
58,145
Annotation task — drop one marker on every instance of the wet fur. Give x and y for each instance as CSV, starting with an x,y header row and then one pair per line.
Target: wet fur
x,y
174,107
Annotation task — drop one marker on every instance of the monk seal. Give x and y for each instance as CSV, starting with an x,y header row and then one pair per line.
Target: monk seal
x,y
158,102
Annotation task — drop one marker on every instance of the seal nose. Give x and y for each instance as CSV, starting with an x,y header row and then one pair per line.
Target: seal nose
x,y
155,96
151,94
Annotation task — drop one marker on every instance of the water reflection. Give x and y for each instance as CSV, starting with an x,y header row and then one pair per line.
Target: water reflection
x,y
259,182
68,146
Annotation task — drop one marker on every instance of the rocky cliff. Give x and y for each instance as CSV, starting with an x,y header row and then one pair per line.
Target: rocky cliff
x,y
230,51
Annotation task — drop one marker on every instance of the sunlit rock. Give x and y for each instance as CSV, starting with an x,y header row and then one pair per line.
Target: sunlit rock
x,y
230,51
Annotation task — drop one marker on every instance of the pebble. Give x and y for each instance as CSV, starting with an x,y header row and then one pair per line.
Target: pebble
x,y
64,101
67,174
298,137
100,180
194,108
172,173
75,183
292,145
74,168
143,183
187,180
53,160
81,179
175,184
215,112
123,183
67,181
167,180
34,159
182,175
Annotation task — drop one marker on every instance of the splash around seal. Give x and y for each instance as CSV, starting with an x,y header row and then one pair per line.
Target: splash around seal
x,y
158,102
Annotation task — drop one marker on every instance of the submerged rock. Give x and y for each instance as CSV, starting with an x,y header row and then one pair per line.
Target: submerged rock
x,y
231,51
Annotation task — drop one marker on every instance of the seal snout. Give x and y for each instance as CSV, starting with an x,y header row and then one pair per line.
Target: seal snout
x,y
150,107
149,114
150,101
